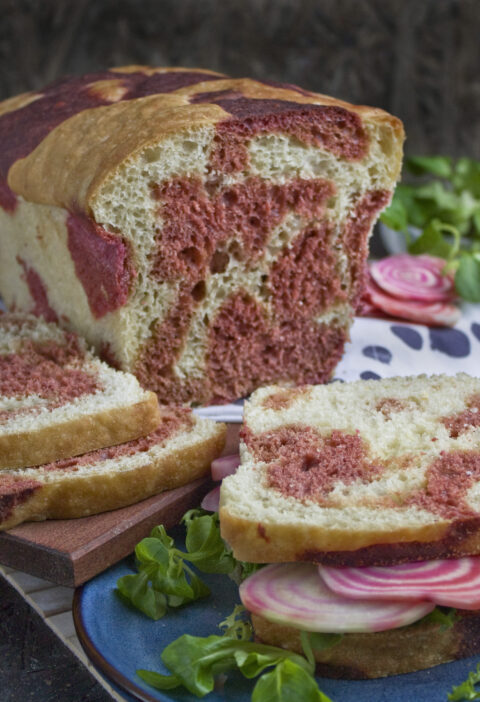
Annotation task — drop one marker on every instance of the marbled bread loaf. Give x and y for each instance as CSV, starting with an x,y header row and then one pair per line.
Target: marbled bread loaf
x,y
205,233
373,472
57,400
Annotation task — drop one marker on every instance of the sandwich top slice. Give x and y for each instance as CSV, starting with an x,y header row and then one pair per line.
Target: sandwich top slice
x,y
365,473
357,477
57,400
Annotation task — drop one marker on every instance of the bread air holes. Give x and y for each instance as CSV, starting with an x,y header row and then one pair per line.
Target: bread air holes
x,y
309,461
219,262
192,256
199,291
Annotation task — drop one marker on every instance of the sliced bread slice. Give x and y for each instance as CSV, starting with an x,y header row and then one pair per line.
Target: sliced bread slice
x,y
57,400
358,656
371,472
179,451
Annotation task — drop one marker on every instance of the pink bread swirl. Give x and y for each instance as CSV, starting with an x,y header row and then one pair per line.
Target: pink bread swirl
x,y
209,234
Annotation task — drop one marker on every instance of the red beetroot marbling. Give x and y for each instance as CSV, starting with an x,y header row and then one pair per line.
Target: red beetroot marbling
x,y
355,238
23,129
8,199
155,365
304,280
463,421
285,397
196,221
449,478
14,493
38,291
334,128
102,264
171,424
246,350
305,465
40,370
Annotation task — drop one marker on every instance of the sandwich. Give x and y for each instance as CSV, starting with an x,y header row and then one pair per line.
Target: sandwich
x,y
364,500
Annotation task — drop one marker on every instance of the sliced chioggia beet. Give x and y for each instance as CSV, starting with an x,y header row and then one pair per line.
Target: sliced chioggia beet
x,y
431,313
414,278
211,501
451,583
294,594
226,465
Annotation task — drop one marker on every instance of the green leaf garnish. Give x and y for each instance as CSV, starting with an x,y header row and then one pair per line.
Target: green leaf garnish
x,y
321,642
440,166
467,278
444,616
466,690
287,682
194,662
442,199
165,579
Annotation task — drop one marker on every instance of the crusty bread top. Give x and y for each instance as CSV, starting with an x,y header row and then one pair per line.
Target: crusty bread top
x,y
95,123
372,471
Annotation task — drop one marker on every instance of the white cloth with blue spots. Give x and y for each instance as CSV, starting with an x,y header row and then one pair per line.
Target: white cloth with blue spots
x,y
382,348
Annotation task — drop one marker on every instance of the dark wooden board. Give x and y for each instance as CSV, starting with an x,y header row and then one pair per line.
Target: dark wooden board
x,y
35,665
71,551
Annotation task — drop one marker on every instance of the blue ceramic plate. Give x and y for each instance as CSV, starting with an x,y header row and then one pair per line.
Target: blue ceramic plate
x,y
119,640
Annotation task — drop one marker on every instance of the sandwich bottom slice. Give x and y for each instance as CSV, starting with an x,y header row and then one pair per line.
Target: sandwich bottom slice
x,y
179,451
407,649
371,473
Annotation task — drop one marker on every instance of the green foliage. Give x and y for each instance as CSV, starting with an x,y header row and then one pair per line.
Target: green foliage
x,y
442,199
466,690
194,663
165,579
445,616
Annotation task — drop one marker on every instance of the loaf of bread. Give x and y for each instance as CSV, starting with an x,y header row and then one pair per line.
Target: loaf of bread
x,y
373,472
207,234
177,452
57,400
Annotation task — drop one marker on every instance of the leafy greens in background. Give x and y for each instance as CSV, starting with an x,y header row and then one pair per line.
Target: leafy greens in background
x,y
442,199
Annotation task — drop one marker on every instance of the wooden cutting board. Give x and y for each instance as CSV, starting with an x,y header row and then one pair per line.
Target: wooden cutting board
x,y
71,551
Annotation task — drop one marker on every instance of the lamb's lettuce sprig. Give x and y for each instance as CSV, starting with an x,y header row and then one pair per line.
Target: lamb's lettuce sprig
x,y
196,662
165,578
467,689
442,199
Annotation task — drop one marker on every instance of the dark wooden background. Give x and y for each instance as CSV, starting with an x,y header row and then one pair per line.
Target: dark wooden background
x,y
419,59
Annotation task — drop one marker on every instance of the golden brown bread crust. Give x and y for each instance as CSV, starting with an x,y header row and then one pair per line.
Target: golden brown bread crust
x,y
79,435
276,543
404,650
79,494
119,127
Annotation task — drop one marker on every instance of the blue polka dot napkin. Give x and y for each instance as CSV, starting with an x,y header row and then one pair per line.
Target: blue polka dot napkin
x,y
382,348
